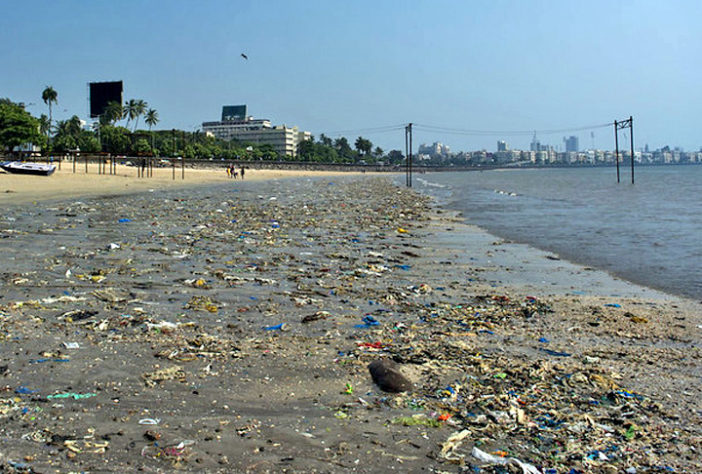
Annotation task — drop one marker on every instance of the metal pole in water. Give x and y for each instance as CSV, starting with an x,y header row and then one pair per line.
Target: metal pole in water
x,y
410,155
406,157
631,134
616,147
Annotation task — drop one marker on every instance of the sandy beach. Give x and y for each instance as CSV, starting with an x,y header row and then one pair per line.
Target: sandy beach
x,y
213,325
65,183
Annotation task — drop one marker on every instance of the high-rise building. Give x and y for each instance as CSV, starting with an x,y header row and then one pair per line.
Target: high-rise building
x,y
235,124
502,145
436,149
571,143
233,112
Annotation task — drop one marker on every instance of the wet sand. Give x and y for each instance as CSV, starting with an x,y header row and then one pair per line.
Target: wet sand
x,y
228,328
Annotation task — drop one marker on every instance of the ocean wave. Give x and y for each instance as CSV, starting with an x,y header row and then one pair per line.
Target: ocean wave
x,y
431,184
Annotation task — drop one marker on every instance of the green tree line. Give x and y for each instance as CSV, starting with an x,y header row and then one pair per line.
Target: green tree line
x,y
112,134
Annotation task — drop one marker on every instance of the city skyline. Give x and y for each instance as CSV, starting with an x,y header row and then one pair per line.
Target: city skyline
x,y
351,67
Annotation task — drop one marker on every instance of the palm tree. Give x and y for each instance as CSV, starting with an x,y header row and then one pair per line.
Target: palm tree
x,y
139,109
151,119
114,112
74,126
44,124
49,96
130,110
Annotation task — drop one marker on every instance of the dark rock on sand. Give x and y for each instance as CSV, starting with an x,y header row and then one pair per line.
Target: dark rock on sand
x,y
387,376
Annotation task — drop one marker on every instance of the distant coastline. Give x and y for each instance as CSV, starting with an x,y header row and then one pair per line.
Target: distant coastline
x,y
339,167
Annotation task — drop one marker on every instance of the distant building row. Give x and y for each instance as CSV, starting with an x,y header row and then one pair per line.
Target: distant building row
x,y
236,124
589,157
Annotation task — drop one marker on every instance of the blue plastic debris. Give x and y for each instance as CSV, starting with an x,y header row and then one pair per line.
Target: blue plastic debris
x,y
277,327
555,353
22,390
41,361
544,340
125,220
368,321
403,267
628,394
613,305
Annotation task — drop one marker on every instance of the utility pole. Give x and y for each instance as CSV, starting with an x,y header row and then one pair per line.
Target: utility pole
x,y
406,157
631,136
408,154
620,125
616,147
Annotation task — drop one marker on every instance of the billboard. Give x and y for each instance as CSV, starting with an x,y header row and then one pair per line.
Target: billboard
x,y
101,94
233,112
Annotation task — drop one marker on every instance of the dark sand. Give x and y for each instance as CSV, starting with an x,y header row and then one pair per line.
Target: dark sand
x,y
177,312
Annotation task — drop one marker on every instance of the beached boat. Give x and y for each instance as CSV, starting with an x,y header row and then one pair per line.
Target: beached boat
x,y
22,167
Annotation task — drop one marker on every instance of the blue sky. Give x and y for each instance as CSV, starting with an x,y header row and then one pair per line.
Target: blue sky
x,y
331,66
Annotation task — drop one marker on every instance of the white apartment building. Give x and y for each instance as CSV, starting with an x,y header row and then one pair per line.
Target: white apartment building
x,y
283,139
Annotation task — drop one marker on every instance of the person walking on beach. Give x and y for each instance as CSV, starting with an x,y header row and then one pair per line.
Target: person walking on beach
x,y
242,173
229,171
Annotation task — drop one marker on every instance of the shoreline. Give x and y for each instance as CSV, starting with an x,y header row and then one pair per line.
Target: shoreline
x,y
16,189
521,265
237,323
620,271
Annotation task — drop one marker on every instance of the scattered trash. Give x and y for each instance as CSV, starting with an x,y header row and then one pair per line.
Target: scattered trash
x,y
73,395
484,457
315,317
25,391
210,314
47,359
416,420
555,353
277,327
149,421
171,373
449,447
368,321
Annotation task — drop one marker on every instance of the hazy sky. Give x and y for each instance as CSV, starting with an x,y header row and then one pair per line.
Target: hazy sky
x,y
330,66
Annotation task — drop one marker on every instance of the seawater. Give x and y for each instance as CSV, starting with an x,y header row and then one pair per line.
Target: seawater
x,y
649,233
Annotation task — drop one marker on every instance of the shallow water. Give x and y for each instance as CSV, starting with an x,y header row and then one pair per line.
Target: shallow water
x,y
647,233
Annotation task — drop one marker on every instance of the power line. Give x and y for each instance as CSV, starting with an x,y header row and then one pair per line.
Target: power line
x,y
388,128
461,131
458,131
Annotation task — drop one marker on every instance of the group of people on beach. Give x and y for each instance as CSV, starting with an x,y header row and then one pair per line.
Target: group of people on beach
x,y
233,173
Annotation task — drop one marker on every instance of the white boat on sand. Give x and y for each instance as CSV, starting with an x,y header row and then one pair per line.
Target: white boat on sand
x,y
21,167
